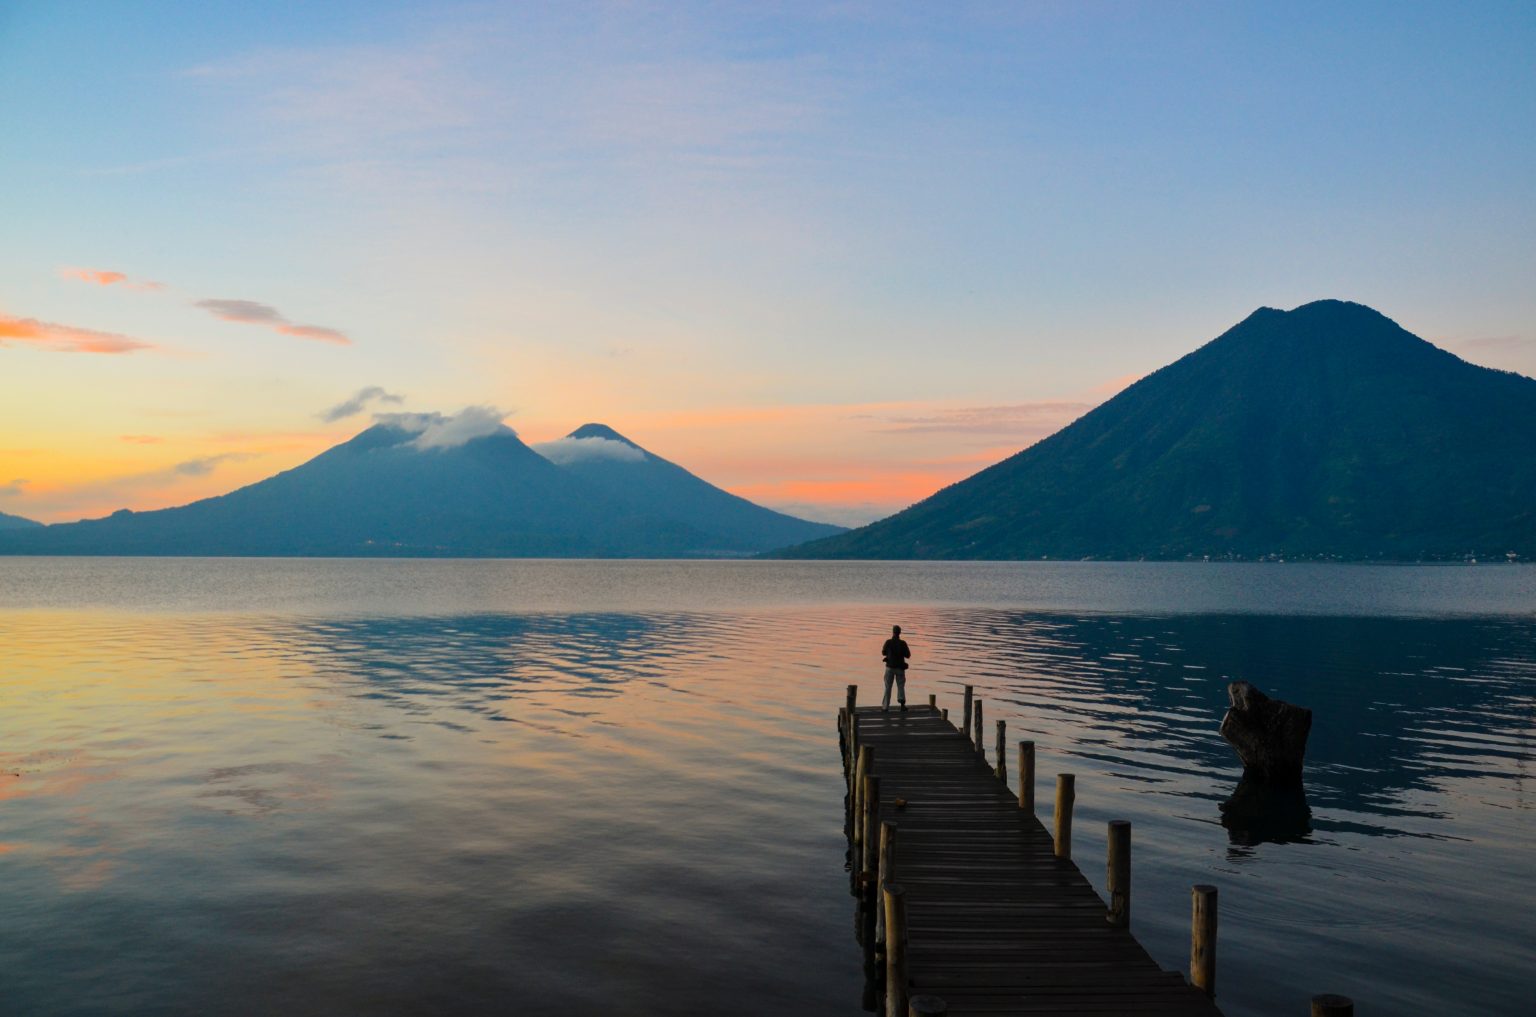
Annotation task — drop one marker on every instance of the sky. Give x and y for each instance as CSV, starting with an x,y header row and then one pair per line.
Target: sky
x,y
831,257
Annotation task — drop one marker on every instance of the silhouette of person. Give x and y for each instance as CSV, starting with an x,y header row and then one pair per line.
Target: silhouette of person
x,y
895,653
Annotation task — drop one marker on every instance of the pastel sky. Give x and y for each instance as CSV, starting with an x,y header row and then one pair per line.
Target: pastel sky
x,y
830,256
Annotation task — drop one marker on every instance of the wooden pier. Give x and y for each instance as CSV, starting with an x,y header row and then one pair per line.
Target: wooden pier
x,y
967,905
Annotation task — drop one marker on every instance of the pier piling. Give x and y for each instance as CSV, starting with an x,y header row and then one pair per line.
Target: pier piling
x,y
886,870
1118,881
1066,793
1027,776
1002,752
1202,938
1329,1005
895,950
965,717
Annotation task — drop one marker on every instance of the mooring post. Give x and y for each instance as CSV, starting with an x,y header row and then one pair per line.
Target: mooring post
x,y
1066,791
965,716
1329,1005
856,818
886,872
927,1006
895,950
981,745
851,706
945,711
1027,776
842,737
1202,938
868,858
1119,878
865,759
1002,752
933,701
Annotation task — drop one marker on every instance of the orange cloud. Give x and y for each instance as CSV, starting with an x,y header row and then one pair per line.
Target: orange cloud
x,y
325,335
94,275
47,335
251,312
106,277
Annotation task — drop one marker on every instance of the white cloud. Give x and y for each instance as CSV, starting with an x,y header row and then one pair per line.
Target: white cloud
x,y
570,450
438,430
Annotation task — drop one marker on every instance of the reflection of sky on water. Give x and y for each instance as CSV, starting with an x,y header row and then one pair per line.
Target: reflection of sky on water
x,y
587,811
1399,706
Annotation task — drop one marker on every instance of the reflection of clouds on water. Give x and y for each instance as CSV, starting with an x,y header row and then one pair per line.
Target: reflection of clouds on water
x,y
493,665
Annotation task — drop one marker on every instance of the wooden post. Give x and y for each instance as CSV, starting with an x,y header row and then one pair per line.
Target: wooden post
x,y
850,705
1329,1005
945,711
866,758
842,737
1066,792
965,716
1119,878
1002,752
933,701
981,745
1202,938
856,819
895,950
927,1006
868,858
1027,776
886,870
853,752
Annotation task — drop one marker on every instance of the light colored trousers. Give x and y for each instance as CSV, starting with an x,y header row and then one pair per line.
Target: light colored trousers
x,y
899,675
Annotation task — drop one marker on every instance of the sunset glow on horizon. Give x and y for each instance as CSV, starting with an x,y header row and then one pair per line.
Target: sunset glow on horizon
x,y
830,258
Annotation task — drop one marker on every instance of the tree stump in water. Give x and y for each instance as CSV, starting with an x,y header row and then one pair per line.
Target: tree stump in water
x,y
1269,736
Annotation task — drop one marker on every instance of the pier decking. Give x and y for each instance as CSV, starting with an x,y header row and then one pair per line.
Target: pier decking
x,y
963,900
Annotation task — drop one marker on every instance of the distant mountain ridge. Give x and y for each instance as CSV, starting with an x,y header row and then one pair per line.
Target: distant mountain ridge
x,y
1324,431
386,492
10,522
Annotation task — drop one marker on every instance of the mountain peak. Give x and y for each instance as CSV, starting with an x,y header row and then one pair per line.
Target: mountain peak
x,y
1324,431
601,431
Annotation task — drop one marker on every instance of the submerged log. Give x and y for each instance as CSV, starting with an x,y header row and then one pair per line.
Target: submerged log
x,y
1269,736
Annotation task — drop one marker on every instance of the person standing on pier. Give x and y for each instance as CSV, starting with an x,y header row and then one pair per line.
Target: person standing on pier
x,y
895,652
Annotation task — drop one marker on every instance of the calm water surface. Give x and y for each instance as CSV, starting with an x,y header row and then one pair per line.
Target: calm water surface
x,y
341,787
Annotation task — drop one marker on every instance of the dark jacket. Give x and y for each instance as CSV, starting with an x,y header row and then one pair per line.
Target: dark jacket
x,y
895,652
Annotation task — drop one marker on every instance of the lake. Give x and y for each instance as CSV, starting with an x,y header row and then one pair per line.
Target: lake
x,y
383,787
